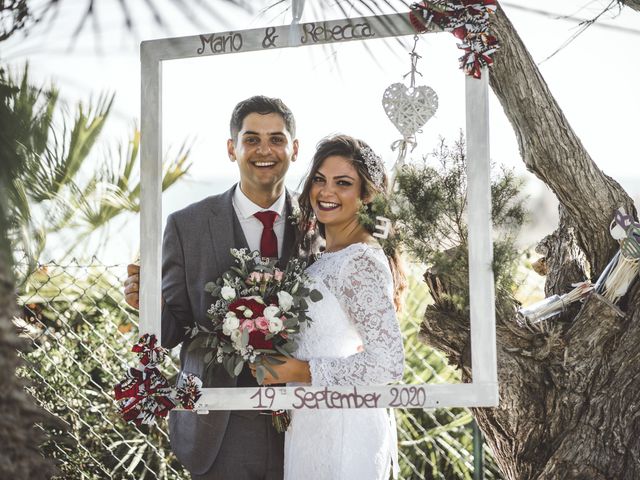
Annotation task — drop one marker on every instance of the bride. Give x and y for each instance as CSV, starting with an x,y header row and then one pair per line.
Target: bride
x,y
354,338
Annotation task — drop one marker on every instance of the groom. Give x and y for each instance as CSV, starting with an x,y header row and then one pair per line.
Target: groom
x,y
253,214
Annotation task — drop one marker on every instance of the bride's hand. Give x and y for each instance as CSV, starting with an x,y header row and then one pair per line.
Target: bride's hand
x,y
292,370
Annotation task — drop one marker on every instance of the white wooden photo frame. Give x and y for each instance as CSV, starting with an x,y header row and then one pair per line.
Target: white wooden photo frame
x,y
483,390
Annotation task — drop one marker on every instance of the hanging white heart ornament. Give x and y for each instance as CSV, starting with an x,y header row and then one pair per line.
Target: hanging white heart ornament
x,y
409,108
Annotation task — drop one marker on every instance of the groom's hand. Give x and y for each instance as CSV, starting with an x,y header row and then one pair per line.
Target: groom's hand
x,y
292,370
132,286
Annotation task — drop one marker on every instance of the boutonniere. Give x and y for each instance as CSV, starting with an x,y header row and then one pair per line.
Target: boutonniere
x,y
294,218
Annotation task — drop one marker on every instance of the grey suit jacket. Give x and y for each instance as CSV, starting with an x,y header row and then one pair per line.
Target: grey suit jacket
x,y
195,251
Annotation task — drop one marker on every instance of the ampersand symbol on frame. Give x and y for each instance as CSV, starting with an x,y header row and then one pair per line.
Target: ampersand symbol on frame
x,y
269,40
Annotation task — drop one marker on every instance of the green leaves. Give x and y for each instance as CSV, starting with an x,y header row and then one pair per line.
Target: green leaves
x,y
260,374
315,295
272,360
81,336
230,365
431,204
290,322
280,349
199,342
287,348
263,365
238,368
269,369
208,357
86,128
50,190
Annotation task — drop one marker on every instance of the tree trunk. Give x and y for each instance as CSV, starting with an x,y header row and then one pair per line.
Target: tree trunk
x,y
635,4
20,439
551,149
569,405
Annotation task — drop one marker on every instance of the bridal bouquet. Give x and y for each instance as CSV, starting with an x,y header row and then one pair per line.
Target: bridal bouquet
x,y
256,308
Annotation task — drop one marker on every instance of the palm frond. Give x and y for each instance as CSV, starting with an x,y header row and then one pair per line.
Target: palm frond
x,y
115,188
86,129
176,168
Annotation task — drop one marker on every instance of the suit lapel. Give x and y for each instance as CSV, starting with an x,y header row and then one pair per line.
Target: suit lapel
x,y
225,230
289,240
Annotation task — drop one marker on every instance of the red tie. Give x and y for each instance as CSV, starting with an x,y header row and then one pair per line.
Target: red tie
x,y
268,241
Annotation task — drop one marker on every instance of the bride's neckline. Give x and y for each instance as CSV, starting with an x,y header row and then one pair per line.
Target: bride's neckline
x,y
375,247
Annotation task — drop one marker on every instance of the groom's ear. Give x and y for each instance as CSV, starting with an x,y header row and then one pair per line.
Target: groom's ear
x,y
231,150
296,145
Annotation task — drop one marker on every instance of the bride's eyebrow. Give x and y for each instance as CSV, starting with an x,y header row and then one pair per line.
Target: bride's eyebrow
x,y
343,176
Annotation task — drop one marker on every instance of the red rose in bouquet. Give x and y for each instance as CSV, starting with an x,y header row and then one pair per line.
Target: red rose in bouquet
x,y
251,311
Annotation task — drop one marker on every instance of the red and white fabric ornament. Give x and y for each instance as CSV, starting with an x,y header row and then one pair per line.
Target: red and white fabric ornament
x,y
149,350
145,394
468,20
189,392
478,50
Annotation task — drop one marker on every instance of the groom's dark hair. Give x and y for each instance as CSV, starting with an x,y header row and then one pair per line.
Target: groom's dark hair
x,y
262,105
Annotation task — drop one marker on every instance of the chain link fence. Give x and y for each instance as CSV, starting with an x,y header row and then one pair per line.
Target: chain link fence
x,y
82,332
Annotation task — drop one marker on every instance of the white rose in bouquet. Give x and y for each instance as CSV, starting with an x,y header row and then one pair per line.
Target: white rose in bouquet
x,y
236,338
230,324
275,325
285,300
271,312
228,293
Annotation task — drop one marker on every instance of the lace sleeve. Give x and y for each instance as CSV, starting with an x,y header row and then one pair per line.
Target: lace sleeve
x,y
364,288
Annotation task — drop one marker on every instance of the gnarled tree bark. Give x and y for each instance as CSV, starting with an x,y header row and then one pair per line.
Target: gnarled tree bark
x,y
20,455
570,405
634,4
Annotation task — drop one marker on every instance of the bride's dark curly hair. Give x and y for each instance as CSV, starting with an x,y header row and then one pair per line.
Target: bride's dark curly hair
x,y
351,149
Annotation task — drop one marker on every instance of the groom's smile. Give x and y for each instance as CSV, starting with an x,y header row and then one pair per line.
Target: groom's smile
x,y
264,164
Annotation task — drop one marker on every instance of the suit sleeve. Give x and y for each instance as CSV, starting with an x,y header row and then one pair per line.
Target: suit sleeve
x,y
176,314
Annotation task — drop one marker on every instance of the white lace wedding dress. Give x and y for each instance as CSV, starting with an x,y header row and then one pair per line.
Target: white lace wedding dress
x,y
354,339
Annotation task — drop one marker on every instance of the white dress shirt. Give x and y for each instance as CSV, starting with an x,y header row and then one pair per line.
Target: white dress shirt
x,y
251,226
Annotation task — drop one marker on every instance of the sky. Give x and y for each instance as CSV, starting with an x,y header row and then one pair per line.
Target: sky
x,y
335,89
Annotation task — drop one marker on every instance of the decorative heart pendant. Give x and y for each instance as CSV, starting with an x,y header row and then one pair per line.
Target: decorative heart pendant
x,y
409,109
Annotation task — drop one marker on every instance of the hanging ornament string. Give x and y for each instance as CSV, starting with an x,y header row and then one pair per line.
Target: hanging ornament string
x,y
407,141
468,20
408,109
415,56
295,31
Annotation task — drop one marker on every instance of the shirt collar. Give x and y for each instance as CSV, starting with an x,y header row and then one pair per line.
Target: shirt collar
x,y
247,208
